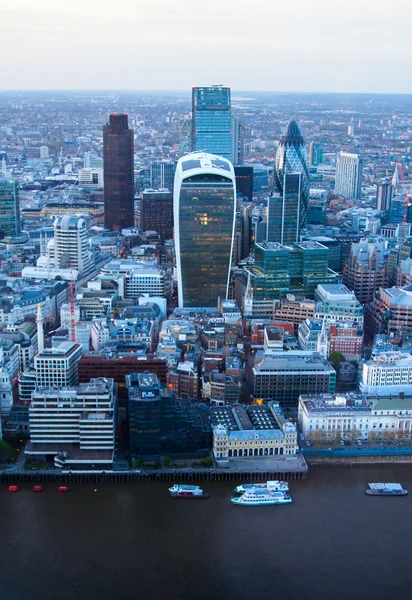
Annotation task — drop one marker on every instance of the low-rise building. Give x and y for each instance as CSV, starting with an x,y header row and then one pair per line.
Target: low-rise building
x,y
334,302
387,373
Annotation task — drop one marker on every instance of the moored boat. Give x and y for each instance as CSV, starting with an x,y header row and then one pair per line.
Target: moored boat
x,y
386,489
275,486
258,497
37,488
187,491
13,488
63,489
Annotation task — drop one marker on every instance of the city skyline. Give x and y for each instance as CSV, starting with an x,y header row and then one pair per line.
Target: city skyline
x,y
329,51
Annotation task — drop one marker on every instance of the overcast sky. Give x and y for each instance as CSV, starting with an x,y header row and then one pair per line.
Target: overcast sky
x,y
292,45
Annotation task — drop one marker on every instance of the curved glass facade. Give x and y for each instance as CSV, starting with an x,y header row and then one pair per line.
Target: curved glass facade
x,y
204,222
291,157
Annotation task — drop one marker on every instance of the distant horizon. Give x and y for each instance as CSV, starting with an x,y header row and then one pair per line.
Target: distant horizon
x,y
188,91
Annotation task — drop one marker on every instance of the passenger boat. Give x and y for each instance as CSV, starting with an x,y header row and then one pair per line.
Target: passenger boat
x,y
275,486
386,489
63,489
13,488
37,488
187,491
261,497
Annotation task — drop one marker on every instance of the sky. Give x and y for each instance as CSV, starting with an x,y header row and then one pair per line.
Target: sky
x,y
274,45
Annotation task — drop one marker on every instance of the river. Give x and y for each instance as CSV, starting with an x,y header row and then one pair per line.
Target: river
x,y
133,541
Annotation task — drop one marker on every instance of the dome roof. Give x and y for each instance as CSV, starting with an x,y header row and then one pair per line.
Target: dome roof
x,y
292,134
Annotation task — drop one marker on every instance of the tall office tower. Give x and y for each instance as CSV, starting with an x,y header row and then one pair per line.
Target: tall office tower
x,y
366,270
384,193
212,121
9,208
186,136
58,366
315,154
237,141
397,210
396,180
155,212
291,158
244,183
118,173
44,152
71,244
349,170
204,219
284,211
91,160
162,175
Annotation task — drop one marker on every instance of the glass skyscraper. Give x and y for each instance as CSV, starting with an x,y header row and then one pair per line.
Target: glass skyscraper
x,y
10,226
284,211
291,157
212,121
204,217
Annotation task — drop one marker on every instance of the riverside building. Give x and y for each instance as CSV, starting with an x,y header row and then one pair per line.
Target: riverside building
x,y
387,373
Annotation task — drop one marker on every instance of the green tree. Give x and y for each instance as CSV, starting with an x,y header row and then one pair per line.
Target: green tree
x,y
336,358
166,461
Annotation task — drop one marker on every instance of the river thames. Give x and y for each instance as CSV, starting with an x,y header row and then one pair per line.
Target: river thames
x,y
134,541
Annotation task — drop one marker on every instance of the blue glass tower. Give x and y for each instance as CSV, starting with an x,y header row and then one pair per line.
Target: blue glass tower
x,y
212,121
10,208
291,157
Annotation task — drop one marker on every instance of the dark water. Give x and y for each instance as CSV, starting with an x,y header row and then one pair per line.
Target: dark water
x,y
133,541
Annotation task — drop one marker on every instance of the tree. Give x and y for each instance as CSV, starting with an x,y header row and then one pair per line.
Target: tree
x,y
166,461
336,358
6,452
372,437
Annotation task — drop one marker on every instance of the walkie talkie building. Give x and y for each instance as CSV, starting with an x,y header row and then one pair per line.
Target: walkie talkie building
x,y
204,205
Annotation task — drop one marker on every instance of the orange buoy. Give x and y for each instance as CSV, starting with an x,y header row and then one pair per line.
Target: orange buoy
x,y
13,488
63,489
37,488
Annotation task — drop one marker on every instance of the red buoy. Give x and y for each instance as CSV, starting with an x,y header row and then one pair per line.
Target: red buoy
x,y
63,489
13,488
37,488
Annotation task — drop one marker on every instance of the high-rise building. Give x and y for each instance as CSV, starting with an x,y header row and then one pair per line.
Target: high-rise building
x,y
349,171
204,217
118,173
244,183
10,208
291,158
71,244
57,367
162,175
315,154
365,271
237,141
384,193
186,136
44,152
155,212
212,121
284,211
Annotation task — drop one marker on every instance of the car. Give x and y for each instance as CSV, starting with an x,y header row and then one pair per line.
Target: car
x,y
308,444
342,443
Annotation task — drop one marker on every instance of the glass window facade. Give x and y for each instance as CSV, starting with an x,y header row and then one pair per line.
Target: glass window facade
x,y
284,211
10,208
212,121
206,217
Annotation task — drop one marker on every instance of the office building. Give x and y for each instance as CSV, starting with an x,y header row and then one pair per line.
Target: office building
x,y
291,157
91,160
384,194
309,333
348,416
349,171
347,338
75,425
10,226
58,366
118,173
334,302
294,310
212,121
365,271
162,175
244,183
44,152
318,203
71,244
387,373
155,212
285,377
237,141
391,311
186,136
315,154
399,210
159,423
204,219
284,211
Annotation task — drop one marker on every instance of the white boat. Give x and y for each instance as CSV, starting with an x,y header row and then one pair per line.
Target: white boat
x,y
261,497
274,486
187,491
386,489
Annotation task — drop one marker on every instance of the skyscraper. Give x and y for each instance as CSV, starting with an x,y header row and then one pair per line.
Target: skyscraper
x,y
9,208
284,211
291,157
204,217
155,212
162,175
71,244
118,173
315,154
384,193
212,121
349,170
186,136
237,141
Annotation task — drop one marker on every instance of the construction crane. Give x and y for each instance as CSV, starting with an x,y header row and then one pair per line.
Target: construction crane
x,y
72,314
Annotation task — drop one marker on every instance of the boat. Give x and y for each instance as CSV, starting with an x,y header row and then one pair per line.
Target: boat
x,y
275,486
37,488
386,489
63,489
13,488
187,491
257,497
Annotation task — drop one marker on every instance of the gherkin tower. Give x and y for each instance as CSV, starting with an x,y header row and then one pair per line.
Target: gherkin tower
x,y
291,157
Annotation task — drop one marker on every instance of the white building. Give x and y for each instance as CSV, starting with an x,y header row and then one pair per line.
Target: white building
x,y
6,394
387,373
138,278
44,152
75,424
71,244
58,366
349,171
91,177
327,416
335,302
